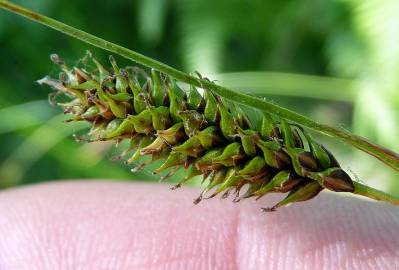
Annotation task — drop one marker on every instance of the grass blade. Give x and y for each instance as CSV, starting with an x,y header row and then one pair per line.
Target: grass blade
x,y
288,84
24,115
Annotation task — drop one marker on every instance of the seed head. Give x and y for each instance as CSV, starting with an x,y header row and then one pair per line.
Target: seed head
x,y
202,134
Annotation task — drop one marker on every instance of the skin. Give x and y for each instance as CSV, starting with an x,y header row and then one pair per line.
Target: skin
x,y
110,225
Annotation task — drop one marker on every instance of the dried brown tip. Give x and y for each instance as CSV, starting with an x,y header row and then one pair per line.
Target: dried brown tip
x,y
338,181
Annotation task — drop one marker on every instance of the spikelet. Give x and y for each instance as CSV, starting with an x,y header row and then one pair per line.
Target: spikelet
x,y
203,134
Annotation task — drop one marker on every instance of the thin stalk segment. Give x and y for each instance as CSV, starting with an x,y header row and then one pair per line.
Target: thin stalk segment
x,y
375,194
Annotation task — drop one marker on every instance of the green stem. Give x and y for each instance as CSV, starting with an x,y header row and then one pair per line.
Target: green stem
x,y
375,194
388,157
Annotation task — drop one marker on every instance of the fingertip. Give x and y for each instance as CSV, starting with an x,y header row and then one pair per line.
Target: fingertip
x,y
100,225
104,225
329,232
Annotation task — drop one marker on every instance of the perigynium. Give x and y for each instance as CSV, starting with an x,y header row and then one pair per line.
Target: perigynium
x,y
203,134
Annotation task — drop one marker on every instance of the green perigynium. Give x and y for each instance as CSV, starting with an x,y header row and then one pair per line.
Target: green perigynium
x,y
203,134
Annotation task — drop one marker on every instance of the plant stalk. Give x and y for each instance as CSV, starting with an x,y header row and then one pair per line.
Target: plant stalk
x,y
387,156
375,194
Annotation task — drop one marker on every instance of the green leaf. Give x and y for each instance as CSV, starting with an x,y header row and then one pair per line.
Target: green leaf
x,y
24,115
287,84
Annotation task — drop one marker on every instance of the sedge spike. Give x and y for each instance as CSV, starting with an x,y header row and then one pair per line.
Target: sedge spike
x,y
202,134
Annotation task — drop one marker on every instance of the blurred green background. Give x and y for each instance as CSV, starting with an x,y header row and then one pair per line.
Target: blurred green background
x,y
334,61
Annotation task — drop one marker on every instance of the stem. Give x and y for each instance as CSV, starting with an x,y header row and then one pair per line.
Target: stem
x,y
388,157
375,194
